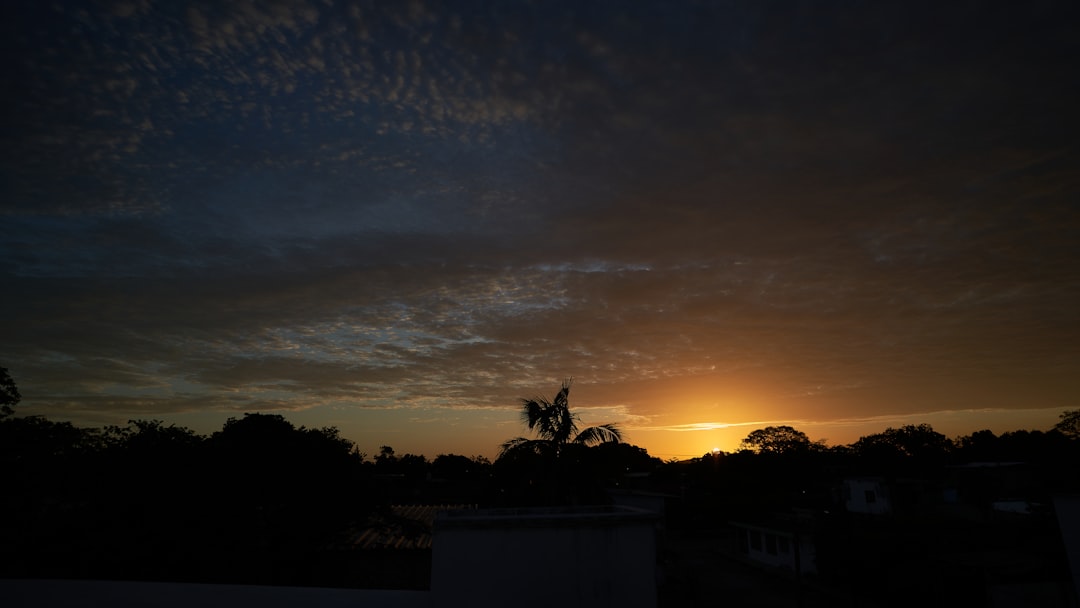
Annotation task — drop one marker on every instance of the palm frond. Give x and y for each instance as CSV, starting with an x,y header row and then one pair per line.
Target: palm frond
x,y
532,411
595,435
512,445
563,398
565,424
553,421
524,445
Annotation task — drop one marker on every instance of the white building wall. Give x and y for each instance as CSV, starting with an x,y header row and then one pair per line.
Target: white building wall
x,y
777,548
869,496
543,558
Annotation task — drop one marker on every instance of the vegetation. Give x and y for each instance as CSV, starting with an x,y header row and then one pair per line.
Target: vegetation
x,y
778,440
561,465
9,394
261,500
1069,425
248,504
556,427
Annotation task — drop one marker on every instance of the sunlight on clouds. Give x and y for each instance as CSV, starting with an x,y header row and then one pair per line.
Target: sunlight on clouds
x,y
694,427
390,214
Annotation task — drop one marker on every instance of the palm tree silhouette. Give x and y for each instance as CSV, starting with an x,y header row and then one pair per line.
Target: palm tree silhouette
x,y
556,427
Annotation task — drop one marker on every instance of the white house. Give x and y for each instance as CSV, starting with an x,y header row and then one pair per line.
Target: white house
x,y
867,495
776,545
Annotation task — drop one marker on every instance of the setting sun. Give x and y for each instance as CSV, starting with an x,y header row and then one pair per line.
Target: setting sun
x,y
403,241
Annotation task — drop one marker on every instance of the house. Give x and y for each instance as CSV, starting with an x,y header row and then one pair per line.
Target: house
x,y
867,495
987,489
783,544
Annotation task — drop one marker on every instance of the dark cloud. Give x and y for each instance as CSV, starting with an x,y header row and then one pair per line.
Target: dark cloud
x,y
846,211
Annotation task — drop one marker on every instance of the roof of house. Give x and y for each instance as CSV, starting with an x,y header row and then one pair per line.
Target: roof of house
x,y
401,527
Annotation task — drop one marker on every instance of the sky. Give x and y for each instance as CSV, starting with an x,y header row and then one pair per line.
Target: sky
x,y
400,218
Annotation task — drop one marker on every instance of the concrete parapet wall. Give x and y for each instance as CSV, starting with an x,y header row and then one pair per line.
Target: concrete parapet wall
x,y
591,556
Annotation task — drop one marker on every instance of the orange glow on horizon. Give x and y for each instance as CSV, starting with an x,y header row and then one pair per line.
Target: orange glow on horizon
x,y
696,439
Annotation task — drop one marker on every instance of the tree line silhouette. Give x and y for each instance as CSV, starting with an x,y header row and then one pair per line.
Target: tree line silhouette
x,y
779,467
260,500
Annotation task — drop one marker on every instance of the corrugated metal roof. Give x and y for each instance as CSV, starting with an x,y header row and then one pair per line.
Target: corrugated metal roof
x,y
404,527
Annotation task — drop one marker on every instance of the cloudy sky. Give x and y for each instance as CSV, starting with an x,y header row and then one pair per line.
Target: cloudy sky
x,y
401,217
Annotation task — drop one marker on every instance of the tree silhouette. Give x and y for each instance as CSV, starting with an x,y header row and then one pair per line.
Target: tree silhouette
x,y
9,394
910,447
778,440
1069,425
386,461
555,466
556,427
457,467
258,502
981,445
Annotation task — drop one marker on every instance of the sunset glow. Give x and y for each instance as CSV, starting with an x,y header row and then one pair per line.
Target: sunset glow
x,y
401,220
